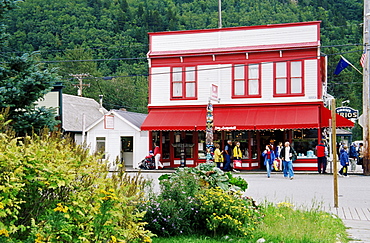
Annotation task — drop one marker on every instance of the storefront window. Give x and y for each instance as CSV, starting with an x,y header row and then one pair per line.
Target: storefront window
x,y
184,140
242,138
304,142
166,145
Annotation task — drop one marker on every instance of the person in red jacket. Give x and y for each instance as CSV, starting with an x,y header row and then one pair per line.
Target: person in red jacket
x,y
157,156
321,151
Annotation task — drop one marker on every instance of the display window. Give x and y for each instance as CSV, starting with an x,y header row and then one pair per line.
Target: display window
x,y
304,142
247,139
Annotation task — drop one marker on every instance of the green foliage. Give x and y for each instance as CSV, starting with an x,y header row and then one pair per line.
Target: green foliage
x,y
53,190
173,212
284,223
209,176
181,207
228,213
22,83
118,29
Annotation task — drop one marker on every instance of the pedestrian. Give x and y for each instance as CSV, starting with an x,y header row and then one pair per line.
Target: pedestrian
x,y
228,153
288,155
272,144
218,157
278,149
157,157
360,155
269,156
321,151
237,156
353,156
344,161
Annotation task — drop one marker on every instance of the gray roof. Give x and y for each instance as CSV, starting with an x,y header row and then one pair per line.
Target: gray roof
x,y
73,109
134,118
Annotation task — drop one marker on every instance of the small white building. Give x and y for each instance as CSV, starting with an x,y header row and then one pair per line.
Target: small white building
x,y
118,135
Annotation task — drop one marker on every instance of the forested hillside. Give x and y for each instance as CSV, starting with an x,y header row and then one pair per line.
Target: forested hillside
x,y
108,38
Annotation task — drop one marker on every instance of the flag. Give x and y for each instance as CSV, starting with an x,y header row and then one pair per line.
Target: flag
x,y
363,60
342,64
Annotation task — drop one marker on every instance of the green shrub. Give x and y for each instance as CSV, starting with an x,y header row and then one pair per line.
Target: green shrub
x,y
209,176
226,213
53,190
180,208
173,211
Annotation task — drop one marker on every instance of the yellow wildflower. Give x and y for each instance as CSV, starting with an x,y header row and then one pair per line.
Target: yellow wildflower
x,y
1,205
61,208
4,232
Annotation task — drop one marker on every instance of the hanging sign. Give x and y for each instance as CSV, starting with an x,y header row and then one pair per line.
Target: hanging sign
x,y
347,112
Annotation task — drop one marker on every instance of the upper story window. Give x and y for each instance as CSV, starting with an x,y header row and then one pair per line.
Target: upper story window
x,y
184,83
246,81
288,80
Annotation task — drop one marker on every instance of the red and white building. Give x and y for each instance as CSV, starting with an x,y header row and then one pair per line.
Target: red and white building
x,y
271,82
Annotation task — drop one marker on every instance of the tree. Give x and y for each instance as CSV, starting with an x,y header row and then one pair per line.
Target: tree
x,y
22,83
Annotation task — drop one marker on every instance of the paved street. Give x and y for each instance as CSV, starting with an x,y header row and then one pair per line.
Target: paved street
x,y
311,189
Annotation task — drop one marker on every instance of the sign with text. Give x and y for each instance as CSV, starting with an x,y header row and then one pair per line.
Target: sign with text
x,y
214,92
347,112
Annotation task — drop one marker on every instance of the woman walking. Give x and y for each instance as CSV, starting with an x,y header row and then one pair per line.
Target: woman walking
x,y
344,161
218,157
269,156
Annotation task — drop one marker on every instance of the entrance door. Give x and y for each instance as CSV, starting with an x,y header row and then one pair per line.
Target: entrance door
x,y
183,149
127,149
270,137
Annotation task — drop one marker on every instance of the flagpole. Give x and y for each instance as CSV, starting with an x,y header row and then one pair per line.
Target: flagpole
x,y
351,64
365,91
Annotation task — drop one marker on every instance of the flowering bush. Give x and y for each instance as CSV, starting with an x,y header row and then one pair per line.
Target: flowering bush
x,y
52,190
200,200
173,211
228,213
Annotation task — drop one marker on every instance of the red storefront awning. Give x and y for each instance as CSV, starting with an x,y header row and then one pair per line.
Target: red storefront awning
x,y
187,119
243,118
341,121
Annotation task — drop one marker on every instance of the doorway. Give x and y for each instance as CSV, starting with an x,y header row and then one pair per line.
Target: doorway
x,y
127,149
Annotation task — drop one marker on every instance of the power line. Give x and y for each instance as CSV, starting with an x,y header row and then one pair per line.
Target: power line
x,y
217,68
79,49
133,58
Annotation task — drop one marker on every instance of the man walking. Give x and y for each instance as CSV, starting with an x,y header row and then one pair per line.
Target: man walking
x,y
228,152
288,155
321,157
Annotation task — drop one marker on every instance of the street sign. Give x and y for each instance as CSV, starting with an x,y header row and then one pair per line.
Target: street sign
x,y
361,120
347,112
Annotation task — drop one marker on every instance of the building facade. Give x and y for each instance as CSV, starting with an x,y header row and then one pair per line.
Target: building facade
x,y
117,134
271,85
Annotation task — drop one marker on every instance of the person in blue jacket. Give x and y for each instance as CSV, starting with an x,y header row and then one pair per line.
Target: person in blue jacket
x,y
269,156
344,161
353,156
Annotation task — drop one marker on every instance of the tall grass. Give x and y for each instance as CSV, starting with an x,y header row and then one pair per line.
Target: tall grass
x,y
283,223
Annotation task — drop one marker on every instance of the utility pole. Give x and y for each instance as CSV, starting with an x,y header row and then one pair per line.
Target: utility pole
x,y
220,16
81,84
334,151
366,86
